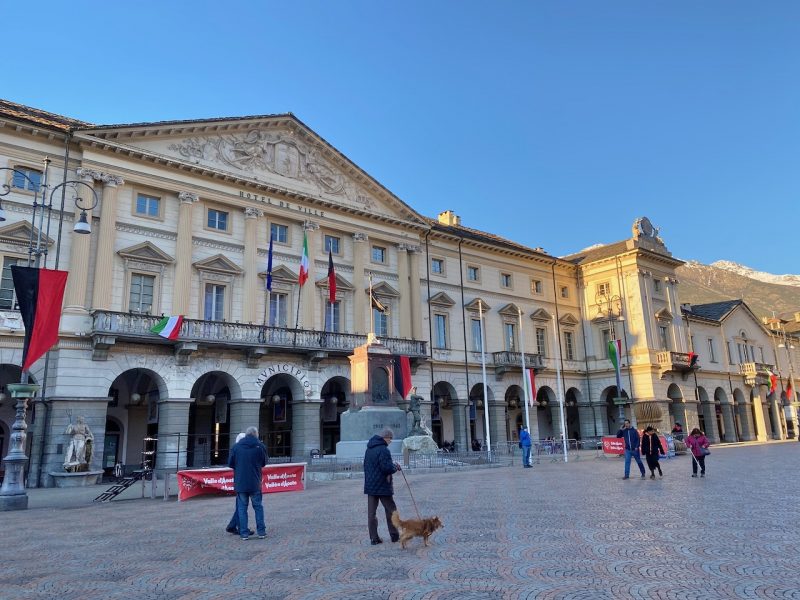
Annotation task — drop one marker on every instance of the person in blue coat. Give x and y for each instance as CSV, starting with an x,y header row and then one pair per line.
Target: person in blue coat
x,y
378,471
525,444
247,459
632,442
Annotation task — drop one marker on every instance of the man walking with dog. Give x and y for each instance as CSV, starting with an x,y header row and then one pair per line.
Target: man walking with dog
x,y
378,471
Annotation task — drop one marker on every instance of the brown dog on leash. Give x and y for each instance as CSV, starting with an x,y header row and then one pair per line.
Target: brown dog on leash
x,y
412,528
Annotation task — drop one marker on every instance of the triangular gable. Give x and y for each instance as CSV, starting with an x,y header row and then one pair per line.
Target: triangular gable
x,y
510,310
569,320
266,151
20,233
218,264
383,289
146,252
541,314
473,306
442,299
341,283
664,315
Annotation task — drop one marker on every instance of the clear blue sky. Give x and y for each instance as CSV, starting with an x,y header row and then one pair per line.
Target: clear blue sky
x,y
552,123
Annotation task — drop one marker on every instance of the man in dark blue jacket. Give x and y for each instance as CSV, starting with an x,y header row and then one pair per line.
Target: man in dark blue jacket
x,y
378,470
247,459
631,437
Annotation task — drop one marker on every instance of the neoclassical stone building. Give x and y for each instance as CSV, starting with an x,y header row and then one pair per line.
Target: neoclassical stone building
x,y
182,226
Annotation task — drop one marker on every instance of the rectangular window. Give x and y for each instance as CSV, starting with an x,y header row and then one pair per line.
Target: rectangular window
x,y
214,306
569,345
712,355
148,206
742,356
663,335
31,183
381,320
536,286
693,344
279,233
217,219
141,294
510,335
378,254
657,285
603,289
440,331
332,244
505,280
437,266
607,337
8,299
564,291
541,341
473,273
336,321
730,353
278,309
476,335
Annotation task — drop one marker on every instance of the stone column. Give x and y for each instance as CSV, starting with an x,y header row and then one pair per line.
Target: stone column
x,y
460,416
600,417
710,418
78,281
104,263
727,420
309,290
360,314
746,421
555,414
250,304
173,432
183,255
586,417
405,291
306,427
758,417
416,295
497,422
243,413
775,411
692,420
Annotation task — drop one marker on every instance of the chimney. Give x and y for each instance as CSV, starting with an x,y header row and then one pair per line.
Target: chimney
x,y
448,217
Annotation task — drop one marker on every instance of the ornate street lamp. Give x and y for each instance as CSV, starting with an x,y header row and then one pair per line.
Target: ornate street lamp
x,y
12,493
611,308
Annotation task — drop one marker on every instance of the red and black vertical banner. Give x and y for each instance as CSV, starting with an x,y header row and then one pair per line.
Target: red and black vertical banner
x,y
402,375
40,294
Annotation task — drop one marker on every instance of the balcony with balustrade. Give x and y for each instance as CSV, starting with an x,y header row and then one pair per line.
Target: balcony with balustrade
x,y
756,373
678,362
508,362
254,341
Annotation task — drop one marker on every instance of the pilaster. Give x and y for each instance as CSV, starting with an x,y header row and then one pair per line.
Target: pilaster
x,y
173,429
601,418
249,306
777,430
78,281
460,416
309,291
416,295
710,422
306,431
243,414
360,248
497,422
183,255
104,263
405,291
727,421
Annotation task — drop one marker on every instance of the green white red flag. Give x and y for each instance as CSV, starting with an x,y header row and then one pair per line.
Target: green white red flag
x,y
615,354
304,261
168,327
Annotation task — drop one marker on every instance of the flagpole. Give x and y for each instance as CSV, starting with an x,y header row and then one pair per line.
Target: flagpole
x,y
560,388
524,374
485,388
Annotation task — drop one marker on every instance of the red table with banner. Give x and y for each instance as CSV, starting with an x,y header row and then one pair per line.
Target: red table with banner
x,y
289,477
615,445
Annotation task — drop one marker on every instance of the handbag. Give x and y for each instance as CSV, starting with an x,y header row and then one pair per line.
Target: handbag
x,y
704,451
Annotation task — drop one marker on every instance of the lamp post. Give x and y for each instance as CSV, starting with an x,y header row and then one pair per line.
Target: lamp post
x,y
785,343
606,304
12,492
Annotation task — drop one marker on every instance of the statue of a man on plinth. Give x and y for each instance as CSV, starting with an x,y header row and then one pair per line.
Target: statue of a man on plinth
x,y
79,449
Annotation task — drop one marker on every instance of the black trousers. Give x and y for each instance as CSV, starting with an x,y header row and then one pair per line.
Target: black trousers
x,y
372,519
702,461
652,463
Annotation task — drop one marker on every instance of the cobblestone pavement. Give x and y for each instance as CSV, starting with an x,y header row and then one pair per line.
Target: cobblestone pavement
x,y
557,531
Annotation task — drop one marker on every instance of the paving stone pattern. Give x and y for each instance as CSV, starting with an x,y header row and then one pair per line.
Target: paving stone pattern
x,y
575,531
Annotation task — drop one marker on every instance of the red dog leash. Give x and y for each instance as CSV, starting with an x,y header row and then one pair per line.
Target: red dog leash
x,y
410,494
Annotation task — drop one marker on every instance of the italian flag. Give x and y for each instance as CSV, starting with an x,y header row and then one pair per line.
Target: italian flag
x,y
304,261
789,392
773,382
169,327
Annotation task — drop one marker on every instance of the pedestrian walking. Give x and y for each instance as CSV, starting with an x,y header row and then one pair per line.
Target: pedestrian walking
x,y
378,470
233,524
652,449
632,444
698,444
525,444
248,457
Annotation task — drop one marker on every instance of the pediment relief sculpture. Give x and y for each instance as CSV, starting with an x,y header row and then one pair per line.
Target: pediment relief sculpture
x,y
218,264
278,153
146,252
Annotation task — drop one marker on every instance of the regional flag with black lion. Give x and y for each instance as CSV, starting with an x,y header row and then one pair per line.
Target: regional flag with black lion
x,y
40,294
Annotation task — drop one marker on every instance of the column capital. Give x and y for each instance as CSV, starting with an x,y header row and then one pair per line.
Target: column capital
x,y
188,197
310,226
111,180
360,237
253,213
89,174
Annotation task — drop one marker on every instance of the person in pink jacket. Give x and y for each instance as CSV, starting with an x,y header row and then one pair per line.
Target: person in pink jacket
x,y
698,445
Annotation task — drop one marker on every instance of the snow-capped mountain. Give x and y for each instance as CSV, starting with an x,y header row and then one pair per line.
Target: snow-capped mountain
x,y
759,275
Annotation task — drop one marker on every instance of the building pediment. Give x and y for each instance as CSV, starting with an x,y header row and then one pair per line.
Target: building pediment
x,y
510,310
342,285
21,233
218,264
478,304
541,314
569,320
282,274
273,150
664,315
442,299
146,252
383,289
